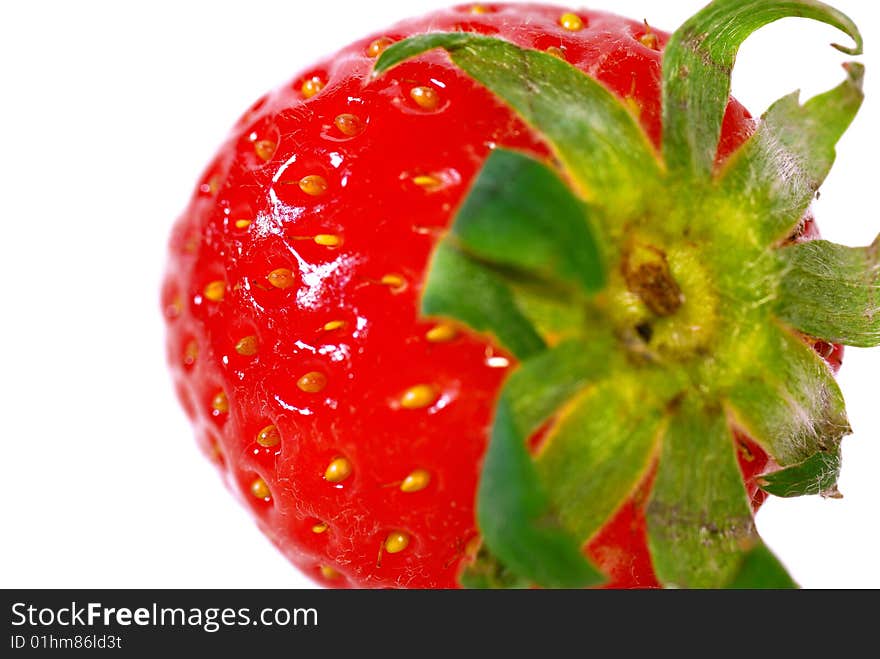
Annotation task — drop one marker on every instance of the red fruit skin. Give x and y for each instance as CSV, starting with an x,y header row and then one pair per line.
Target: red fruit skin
x,y
388,225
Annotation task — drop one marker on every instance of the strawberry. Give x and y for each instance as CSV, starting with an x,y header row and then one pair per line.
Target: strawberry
x,y
511,295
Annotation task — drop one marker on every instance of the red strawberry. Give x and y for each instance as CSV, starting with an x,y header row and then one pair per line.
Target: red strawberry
x,y
351,418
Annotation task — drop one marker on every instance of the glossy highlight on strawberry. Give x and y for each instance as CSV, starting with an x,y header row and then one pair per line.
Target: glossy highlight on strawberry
x,y
353,424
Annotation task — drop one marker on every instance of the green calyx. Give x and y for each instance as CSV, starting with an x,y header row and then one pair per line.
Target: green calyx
x,y
654,304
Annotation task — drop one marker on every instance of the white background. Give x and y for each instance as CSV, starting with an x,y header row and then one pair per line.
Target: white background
x,y
109,111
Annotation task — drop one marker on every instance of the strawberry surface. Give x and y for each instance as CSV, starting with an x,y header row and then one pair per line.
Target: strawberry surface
x,y
352,426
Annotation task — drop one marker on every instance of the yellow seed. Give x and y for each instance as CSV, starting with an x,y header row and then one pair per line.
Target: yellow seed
x,y
242,224
220,404
415,481
338,470
744,451
348,124
394,281
190,353
426,98
313,185
329,573
479,9
376,47
556,52
259,489
312,86
571,22
211,186
649,39
419,396
215,291
634,106
334,325
319,528
269,437
312,382
328,240
191,244
441,333
174,309
427,181
265,149
281,278
396,542
246,346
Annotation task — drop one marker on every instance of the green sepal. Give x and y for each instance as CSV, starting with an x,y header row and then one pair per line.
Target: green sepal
x,y
399,52
461,288
486,572
698,526
832,292
519,232
544,383
817,474
597,140
515,517
600,448
759,569
778,171
697,65
520,214
786,398
520,528
557,314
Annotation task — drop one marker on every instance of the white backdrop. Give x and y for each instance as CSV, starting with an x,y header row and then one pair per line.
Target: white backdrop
x,y
109,112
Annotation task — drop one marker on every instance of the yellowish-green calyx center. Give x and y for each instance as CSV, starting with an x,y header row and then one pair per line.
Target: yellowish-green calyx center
x,y
661,300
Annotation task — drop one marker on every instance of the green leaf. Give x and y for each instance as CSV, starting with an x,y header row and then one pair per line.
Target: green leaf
x,y
486,572
459,287
785,397
544,383
697,65
698,516
520,214
399,52
515,518
816,475
600,449
832,292
556,314
778,171
760,569
518,523
597,140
